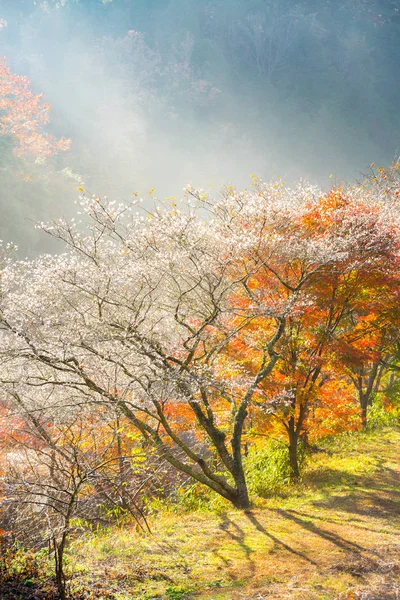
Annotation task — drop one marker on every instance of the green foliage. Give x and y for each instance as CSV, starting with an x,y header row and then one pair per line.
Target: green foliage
x,y
380,415
193,497
27,566
187,498
268,468
176,593
118,515
392,391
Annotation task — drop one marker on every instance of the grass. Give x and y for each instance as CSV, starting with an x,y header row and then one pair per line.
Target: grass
x,y
335,536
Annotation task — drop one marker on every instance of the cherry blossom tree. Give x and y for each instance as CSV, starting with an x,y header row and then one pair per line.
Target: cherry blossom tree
x,y
141,312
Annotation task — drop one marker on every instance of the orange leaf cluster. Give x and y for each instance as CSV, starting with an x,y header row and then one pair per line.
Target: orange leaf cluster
x,y
23,116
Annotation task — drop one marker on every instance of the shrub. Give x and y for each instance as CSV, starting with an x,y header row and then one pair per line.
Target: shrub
x,y
268,468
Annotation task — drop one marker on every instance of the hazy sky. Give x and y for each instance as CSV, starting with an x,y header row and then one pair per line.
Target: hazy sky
x,y
160,93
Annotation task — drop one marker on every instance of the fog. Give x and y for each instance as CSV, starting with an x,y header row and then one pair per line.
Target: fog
x,y
161,93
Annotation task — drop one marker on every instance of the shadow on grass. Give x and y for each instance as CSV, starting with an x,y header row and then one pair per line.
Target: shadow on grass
x,y
329,536
365,496
355,521
276,540
360,496
237,534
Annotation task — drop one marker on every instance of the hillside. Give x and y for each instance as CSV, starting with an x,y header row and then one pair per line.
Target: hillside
x,y
334,537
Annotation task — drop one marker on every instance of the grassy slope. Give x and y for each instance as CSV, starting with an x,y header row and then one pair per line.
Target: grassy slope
x,y
336,536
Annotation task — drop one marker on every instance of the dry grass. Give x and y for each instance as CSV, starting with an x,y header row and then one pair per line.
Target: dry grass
x,y
335,537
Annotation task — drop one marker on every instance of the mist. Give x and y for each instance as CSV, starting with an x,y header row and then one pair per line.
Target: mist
x,y
162,93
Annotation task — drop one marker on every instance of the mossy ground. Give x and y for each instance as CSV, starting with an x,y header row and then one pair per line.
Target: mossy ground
x,y
334,536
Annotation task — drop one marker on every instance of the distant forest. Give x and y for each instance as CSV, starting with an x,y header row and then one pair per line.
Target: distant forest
x,y
159,93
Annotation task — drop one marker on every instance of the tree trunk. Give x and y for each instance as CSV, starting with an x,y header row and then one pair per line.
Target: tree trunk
x,y
294,463
241,498
122,469
293,446
363,398
365,390
364,419
59,567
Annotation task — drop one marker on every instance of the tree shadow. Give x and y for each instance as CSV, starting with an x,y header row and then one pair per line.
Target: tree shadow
x,y
377,496
276,540
237,534
329,536
355,522
359,496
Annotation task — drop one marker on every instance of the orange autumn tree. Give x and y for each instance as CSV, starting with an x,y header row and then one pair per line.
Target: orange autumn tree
x,y
368,348
24,116
308,393
32,173
295,385
364,282
364,351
